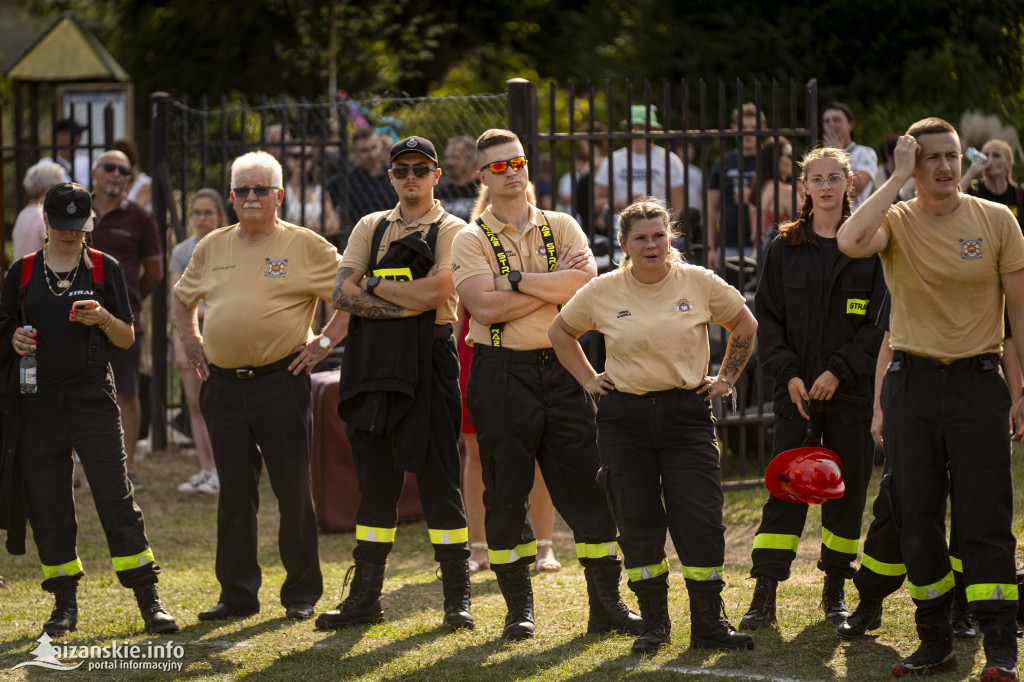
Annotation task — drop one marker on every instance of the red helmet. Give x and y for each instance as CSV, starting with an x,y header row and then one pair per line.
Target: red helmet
x,y
808,475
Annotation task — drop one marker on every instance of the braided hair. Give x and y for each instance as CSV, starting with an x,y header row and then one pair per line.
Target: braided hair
x,y
796,232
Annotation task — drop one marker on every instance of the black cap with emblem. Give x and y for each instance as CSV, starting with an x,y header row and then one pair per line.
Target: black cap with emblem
x,y
414,144
68,206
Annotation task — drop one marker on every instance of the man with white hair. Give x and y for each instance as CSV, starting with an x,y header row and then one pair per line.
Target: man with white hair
x,y
260,280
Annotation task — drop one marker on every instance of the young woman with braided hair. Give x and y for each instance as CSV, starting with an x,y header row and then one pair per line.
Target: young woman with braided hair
x,y
816,311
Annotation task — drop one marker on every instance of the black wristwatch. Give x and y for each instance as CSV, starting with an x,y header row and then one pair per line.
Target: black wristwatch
x,y
371,284
514,278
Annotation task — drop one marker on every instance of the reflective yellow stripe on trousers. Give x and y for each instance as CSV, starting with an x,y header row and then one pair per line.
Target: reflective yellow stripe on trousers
x,y
882,568
703,573
933,591
70,568
992,591
452,536
645,572
838,544
368,534
596,551
776,541
507,556
124,563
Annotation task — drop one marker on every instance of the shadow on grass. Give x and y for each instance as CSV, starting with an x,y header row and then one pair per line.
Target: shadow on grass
x,y
474,658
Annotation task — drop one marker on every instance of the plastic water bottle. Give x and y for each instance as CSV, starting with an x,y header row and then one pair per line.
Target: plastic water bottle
x,y
975,157
28,370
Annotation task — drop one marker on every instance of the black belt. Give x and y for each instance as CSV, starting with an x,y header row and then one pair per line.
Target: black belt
x,y
541,356
976,363
252,372
442,331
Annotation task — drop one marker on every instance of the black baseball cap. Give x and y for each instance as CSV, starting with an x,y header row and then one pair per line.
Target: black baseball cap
x,y
69,124
417,144
68,206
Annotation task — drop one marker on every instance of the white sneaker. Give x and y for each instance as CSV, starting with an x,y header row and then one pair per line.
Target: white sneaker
x,y
192,484
211,486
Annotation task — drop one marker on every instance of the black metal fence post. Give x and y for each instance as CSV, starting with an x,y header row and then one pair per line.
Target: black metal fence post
x,y
522,114
162,199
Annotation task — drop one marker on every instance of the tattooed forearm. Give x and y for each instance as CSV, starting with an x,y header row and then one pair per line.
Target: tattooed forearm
x,y
736,355
363,304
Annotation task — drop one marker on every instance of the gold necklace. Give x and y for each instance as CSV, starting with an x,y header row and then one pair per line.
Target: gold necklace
x,y
63,284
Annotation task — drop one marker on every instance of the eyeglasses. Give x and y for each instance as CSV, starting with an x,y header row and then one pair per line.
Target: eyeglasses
x,y
204,214
500,167
111,167
832,180
420,170
259,190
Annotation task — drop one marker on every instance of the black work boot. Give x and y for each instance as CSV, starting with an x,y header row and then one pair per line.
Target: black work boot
x,y
1000,655
607,612
833,599
654,610
762,606
867,616
518,593
64,618
156,618
455,584
963,623
933,656
362,605
709,628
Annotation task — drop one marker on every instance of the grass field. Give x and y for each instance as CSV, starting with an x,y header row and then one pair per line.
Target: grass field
x,y
412,645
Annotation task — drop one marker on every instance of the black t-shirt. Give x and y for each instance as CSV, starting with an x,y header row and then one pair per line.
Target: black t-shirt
x,y
63,346
1011,198
829,254
728,190
457,199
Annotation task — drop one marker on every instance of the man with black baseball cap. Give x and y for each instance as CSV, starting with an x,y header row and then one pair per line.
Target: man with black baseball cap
x,y
399,391
68,305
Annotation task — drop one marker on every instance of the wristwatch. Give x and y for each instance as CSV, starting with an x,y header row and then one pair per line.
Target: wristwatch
x,y
326,343
514,278
371,284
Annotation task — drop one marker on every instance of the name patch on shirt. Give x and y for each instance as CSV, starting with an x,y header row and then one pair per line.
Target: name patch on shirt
x,y
622,313
276,267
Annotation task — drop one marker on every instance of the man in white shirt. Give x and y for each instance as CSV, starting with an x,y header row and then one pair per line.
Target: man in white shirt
x,y
837,127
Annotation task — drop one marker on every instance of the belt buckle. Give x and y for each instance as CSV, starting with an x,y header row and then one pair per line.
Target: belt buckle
x,y
245,374
543,357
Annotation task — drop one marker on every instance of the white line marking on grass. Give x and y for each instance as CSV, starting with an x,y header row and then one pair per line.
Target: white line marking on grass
x,y
716,672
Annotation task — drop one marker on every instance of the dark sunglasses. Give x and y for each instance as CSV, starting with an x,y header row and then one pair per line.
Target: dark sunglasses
x,y
499,167
111,167
259,190
420,170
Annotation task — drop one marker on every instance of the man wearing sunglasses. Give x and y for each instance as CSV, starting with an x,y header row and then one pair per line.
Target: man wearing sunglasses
x,y
261,280
129,233
399,389
513,268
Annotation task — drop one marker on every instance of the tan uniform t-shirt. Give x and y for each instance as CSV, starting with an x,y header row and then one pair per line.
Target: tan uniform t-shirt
x,y
357,253
943,273
260,296
472,254
655,334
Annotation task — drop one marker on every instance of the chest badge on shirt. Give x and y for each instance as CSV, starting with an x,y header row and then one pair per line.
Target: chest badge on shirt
x,y
276,267
971,248
684,306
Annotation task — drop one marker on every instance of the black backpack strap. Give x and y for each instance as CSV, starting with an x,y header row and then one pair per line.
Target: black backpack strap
x,y
503,269
378,237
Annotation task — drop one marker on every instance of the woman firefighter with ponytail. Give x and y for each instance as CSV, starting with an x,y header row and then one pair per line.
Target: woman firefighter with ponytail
x,y
816,310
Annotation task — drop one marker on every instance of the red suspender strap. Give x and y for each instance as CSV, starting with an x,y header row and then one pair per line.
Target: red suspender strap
x,y
26,268
96,258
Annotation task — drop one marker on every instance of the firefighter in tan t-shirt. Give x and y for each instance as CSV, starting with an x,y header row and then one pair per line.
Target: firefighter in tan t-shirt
x,y
656,435
948,259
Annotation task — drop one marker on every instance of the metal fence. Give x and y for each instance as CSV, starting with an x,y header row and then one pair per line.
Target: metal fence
x,y
566,136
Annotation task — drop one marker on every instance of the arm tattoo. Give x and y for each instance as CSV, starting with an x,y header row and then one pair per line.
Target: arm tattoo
x,y
363,304
736,355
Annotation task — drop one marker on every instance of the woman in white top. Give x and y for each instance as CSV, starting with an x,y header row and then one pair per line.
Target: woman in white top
x,y
655,430
207,215
29,233
305,202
